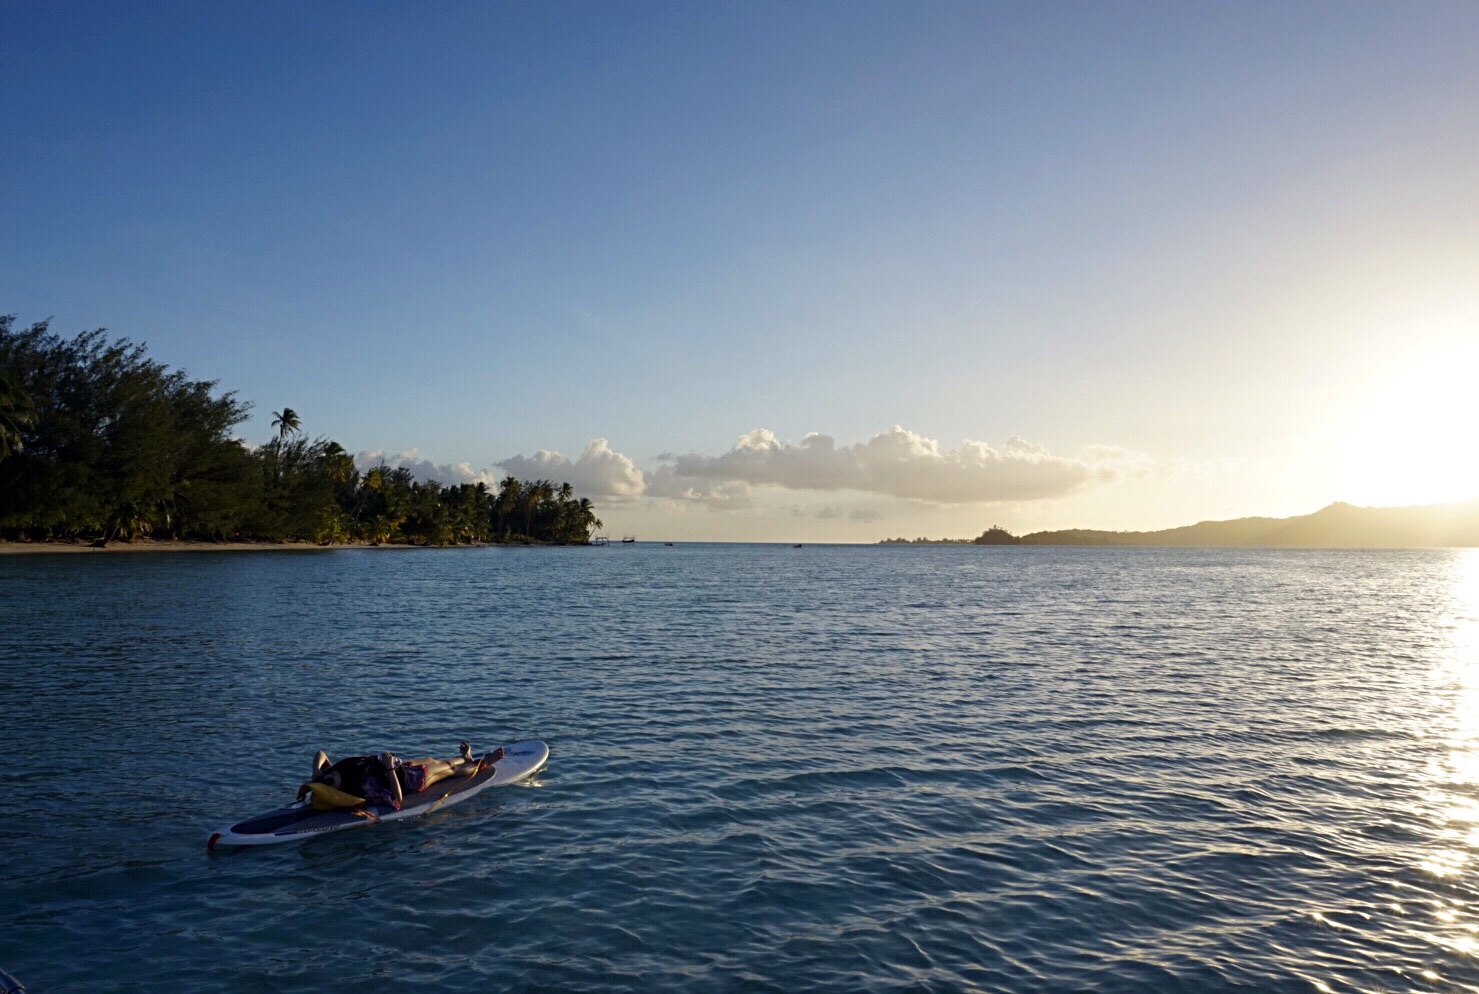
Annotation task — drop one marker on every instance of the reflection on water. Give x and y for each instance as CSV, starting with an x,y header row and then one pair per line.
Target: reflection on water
x,y
1455,788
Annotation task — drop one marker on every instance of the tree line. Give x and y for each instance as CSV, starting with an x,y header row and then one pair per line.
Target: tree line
x,y
995,535
98,441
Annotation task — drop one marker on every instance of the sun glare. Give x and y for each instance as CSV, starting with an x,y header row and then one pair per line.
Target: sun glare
x,y
1412,437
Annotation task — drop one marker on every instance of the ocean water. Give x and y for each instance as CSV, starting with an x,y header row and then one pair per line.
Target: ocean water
x,y
824,769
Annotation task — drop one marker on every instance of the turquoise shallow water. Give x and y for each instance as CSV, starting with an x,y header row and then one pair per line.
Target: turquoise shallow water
x,y
774,769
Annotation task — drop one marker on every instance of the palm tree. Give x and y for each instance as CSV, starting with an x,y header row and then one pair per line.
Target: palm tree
x,y
585,519
286,422
509,493
479,513
338,463
536,496
16,412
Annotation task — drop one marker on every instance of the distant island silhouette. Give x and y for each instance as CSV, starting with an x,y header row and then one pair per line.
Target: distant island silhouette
x,y
1339,526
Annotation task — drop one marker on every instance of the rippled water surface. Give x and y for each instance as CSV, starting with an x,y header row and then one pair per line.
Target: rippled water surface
x,y
773,769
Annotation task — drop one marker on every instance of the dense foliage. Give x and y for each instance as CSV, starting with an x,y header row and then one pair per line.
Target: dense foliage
x,y
99,441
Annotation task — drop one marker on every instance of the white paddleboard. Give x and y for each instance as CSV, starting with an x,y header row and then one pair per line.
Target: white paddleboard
x,y
300,821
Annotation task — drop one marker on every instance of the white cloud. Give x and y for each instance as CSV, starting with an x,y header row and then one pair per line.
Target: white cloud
x,y
600,471
1122,461
424,469
900,463
863,514
897,463
716,495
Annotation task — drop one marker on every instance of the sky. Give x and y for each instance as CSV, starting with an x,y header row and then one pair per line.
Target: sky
x,y
785,271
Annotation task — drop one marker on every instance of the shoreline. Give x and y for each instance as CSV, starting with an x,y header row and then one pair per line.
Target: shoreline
x,y
74,548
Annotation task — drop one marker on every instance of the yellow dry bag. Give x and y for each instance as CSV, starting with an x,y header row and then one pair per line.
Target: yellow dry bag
x,y
326,798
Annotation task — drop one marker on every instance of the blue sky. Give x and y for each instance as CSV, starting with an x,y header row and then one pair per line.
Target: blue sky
x,y
1193,251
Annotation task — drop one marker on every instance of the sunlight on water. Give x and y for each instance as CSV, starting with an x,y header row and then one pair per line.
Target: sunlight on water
x,y
1456,788
1465,642
1460,670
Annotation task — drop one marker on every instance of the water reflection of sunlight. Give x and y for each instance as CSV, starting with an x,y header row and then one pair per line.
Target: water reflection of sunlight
x,y
1460,800
1462,660
1442,920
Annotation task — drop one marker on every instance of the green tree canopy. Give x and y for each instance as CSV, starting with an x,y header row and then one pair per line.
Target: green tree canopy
x,y
17,411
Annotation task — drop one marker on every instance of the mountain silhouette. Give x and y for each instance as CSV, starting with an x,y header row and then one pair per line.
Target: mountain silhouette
x,y
1339,526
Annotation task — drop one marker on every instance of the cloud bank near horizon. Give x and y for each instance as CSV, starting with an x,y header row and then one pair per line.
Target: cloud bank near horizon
x,y
447,474
599,471
901,463
897,463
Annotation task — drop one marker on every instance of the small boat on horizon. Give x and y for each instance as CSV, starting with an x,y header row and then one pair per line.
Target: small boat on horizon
x,y
629,540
